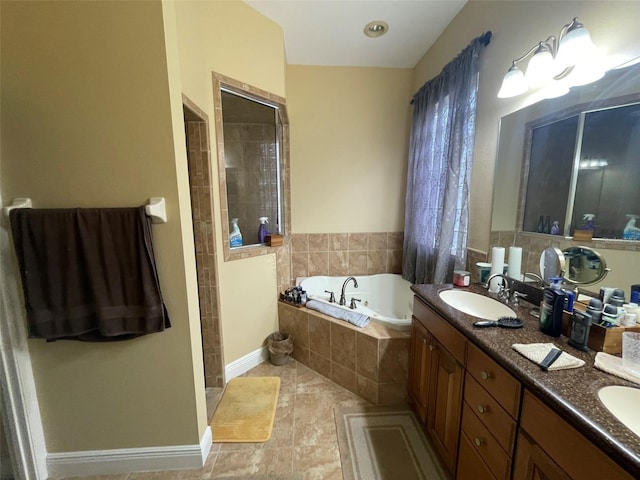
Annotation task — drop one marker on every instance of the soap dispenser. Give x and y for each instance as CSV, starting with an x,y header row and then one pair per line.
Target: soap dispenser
x,y
552,306
262,230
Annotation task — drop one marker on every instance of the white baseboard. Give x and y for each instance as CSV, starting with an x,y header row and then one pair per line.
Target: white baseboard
x,y
246,363
104,462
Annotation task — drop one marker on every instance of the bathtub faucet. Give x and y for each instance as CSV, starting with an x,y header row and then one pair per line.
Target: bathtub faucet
x,y
343,299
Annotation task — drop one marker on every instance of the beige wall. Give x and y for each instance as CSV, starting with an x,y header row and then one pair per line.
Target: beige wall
x,y
86,122
349,143
232,39
516,27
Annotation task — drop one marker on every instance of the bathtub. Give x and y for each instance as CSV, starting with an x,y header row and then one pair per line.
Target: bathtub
x,y
386,298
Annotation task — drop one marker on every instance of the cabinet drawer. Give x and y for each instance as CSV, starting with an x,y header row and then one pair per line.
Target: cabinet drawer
x,y
494,379
566,446
485,445
443,331
470,463
490,413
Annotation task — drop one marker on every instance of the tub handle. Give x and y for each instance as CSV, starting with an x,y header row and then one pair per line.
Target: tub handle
x,y
332,297
353,305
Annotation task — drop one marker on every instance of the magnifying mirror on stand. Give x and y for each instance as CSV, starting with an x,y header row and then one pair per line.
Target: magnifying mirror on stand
x,y
577,265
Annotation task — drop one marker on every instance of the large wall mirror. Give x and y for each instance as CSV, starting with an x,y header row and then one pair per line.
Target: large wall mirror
x,y
562,158
252,144
582,170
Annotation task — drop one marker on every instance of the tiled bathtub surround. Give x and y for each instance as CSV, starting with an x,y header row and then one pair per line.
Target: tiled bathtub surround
x,y
339,254
370,362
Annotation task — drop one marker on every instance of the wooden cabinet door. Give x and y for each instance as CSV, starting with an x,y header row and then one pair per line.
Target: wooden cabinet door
x,y
419,366
445,404
532,463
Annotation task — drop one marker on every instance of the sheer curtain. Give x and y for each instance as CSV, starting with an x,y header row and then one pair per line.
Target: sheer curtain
x,y
440,157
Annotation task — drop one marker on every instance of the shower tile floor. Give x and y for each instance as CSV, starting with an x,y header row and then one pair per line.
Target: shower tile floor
x,y
303,444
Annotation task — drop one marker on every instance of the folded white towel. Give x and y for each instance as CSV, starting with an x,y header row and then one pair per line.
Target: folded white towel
x,y
537,351
613,365
354,318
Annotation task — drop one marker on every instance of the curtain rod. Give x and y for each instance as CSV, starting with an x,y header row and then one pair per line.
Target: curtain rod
x,y
484,39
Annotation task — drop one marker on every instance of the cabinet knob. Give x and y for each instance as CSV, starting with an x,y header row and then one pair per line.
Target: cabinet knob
x,y
484,375
477,441
431,347
481,409
424,340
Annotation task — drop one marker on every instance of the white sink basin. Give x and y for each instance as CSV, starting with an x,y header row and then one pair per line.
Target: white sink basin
x,y
476,305
623,403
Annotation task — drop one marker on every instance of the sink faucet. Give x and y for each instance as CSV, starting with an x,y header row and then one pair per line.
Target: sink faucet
x,y
537,277
343,299
505,286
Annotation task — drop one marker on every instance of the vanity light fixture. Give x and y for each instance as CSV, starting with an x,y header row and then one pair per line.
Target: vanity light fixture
x,y
377,28
562,59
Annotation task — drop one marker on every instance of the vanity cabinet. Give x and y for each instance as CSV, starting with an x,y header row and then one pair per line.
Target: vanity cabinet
x,y
489,418
548,447
481,421
436,378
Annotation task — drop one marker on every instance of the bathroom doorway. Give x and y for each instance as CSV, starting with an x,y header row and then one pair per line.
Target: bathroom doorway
x,y
202,204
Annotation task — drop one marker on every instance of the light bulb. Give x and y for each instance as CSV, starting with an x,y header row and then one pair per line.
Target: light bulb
x,y
541,67
575,46
513,83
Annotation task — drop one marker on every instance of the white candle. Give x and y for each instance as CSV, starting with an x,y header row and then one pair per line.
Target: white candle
x,y
515,262
497,265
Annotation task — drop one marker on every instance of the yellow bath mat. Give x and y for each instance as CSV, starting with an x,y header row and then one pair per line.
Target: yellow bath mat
x,y
246,411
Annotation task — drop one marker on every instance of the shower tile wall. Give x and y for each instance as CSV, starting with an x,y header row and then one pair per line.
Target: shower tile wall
x,y
202,210
251,173
339,254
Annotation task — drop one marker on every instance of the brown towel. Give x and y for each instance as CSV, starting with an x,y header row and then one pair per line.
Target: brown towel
x,y
88,273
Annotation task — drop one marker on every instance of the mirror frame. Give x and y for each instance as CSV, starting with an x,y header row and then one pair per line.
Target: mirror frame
x,y
243,89
548,255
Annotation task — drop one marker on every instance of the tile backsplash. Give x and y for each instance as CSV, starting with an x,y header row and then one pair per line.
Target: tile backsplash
x,y
338,254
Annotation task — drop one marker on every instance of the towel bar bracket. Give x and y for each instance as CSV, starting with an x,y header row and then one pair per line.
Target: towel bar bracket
x,y
18,203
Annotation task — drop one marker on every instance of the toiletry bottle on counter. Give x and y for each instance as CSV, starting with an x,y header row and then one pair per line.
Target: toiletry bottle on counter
x,y
235,237
551,310
595,309
262,230
580,327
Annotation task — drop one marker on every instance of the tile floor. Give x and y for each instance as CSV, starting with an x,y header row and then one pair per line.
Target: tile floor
x,y
303,444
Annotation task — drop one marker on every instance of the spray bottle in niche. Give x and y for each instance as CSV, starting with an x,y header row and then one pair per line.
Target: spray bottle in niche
x,y
235,237
589,224
631,232
262,230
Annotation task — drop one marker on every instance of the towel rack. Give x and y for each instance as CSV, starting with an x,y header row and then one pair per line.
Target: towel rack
x,y
156,208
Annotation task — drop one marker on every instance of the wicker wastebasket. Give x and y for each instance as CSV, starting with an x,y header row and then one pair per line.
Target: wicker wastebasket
x,y
280,346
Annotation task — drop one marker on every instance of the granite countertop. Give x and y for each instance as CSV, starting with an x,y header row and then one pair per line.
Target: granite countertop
x,y
572,393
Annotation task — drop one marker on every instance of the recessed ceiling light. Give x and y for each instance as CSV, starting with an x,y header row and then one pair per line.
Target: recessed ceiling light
x,y
377,28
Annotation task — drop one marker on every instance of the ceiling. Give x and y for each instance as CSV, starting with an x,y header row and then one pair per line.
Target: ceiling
x,y
330,32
